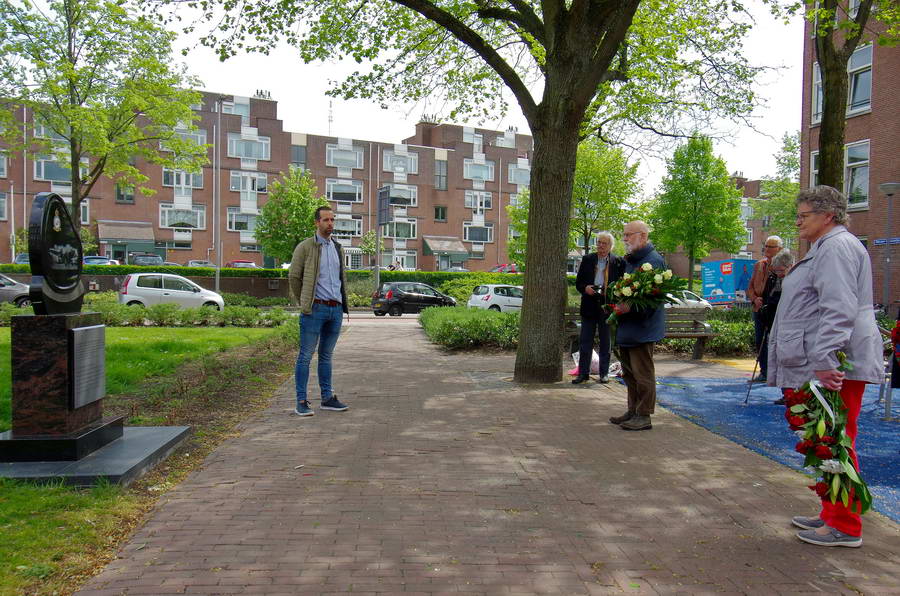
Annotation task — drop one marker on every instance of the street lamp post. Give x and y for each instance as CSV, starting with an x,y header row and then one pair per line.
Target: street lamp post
x,y
889,189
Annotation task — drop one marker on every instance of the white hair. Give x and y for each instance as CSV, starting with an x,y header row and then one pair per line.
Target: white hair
x,y
608,236
776,239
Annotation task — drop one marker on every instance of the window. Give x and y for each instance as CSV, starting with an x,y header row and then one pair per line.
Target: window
x,y
258,148
860,85
174,244
478,171
2,165
251,248
401,228
183,179
198,136
338,157
398,162
124,194
856,173
477,140
476,199
853,8
814,168
241,109
440,213
298,156
42,131
240,222
749,235
818,96
150,281
3,206
519,175
347,191
404,195
47,168
348,227
746,209
244,181
180,285
440,174
193,218
482,233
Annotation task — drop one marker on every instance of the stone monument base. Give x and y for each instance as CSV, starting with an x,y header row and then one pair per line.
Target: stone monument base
x,y
120,462
69,447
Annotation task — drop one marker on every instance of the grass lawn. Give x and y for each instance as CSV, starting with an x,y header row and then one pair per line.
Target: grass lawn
x,y
134,354
52,537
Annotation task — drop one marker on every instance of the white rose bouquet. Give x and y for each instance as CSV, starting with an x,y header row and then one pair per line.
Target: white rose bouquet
x,y
645,287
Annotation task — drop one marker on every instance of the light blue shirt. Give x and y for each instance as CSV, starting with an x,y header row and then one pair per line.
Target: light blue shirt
x,y
601,267
328,284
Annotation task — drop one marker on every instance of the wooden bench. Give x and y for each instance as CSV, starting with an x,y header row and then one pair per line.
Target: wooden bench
x,y
681,323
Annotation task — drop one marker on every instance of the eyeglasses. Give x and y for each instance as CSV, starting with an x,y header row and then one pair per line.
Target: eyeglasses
x,y
627,234
772,246
802,215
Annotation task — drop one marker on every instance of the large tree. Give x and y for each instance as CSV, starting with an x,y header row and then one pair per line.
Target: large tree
x,y
779,192
562,60
288,216
102,88
838,32
699,208
605,186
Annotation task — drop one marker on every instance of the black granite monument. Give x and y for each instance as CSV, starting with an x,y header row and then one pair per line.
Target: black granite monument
x,y
58,360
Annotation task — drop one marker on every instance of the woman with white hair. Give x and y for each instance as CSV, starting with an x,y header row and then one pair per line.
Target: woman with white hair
x,y
771,295
826,308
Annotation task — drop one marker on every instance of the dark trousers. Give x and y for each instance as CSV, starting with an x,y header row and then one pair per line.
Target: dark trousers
x,y
639,375
590,328
762,348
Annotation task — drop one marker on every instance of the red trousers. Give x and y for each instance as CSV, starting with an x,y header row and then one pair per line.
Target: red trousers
x,y
836,515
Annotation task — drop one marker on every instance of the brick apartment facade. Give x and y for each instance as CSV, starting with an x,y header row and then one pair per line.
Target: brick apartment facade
x,y
871,156
449,189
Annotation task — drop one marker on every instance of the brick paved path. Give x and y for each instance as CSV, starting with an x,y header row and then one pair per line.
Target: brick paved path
x,y
446,478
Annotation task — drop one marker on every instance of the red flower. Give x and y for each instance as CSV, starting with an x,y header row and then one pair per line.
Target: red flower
x,y
827,440
824,452
803,446
797,421
820,487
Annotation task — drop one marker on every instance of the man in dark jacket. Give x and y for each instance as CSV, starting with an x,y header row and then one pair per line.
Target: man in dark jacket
x,y
638,331
597,271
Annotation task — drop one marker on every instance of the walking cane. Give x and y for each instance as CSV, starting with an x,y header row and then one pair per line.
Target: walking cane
x,y
755,364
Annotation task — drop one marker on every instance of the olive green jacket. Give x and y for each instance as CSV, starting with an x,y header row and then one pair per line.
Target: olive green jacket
x,y
304,273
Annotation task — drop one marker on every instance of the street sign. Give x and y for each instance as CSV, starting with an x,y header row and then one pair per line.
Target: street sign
x,y
384,205
883,241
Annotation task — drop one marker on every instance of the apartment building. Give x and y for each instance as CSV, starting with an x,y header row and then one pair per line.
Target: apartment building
x,y
871,157
448,185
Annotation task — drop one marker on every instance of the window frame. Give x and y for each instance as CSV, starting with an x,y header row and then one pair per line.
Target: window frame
x,y
517,168
4,165
488,225
443,208
413,199
181,173
357,219
853,73
198,208
231,215
469,199
330,183
391,228
849,170
440,174
252,177
331,148
469,163
411,157
234,140
299,164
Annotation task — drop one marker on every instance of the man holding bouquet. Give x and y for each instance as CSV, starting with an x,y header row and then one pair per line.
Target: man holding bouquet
x,y
639,328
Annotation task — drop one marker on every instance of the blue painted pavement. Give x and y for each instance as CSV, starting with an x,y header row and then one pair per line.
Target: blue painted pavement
x,y
717,405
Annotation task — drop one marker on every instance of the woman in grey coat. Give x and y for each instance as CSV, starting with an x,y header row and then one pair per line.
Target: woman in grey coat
x,y
826,307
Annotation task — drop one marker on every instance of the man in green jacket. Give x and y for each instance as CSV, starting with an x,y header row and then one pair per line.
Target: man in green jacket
x,y
318,283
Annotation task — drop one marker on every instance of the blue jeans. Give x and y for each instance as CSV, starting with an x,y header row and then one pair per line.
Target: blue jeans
x,y
322,327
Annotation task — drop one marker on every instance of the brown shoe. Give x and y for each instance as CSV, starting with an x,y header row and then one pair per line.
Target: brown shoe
x,y
622,418
637,423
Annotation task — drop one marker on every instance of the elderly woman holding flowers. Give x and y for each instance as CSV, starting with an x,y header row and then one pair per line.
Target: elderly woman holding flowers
x,y
825,341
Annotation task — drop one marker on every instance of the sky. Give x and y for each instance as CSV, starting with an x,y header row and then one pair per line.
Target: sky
x,y
303,106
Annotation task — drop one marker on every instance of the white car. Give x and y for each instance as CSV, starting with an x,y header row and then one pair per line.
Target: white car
x,y
147,289
497,297
688,299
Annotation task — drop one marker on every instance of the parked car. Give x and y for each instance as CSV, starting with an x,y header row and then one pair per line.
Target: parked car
x,y
497,297
242,264
688,299
457,269
147,289
96,260
22,259
397,297
14,291
146,260
505,268
199,263
171,264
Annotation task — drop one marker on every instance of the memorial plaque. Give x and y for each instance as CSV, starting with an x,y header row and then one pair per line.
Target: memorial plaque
x,y
87,364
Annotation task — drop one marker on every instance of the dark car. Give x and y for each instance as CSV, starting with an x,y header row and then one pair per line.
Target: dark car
x,y
146,260
397,297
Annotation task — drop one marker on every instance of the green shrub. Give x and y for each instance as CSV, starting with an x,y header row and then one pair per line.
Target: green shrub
x,y
8,309
359,300
240,316
362,286
93,299
163,315
114,315
135,316
731,315
238,299
460,327
276,316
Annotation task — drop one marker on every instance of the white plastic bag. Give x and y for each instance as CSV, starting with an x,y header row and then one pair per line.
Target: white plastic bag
x,y
595,362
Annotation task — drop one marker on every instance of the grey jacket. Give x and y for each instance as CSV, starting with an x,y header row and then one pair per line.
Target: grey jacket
x,y
826,307
304,272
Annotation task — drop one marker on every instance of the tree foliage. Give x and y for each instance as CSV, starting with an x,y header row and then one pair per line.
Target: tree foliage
x,y
367,243
101,86
288,217
603,192
700,207
780,190
517,243
590,61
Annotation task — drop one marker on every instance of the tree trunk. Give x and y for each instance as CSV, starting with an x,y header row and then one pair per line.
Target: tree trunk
x,y
538,359
691,270
831,129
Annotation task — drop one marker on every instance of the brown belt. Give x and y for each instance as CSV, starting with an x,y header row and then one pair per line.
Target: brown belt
x,y
326,302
